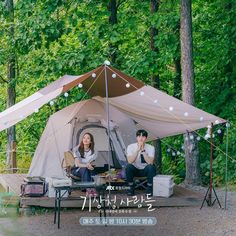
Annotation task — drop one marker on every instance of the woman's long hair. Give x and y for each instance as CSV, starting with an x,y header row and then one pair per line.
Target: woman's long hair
x,y
91,146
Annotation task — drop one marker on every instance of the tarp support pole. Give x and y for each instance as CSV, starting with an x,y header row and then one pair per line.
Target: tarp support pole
x,y
226,165
108,119
13,157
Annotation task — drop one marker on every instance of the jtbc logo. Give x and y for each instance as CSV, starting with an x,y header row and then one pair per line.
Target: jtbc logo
x,y
109,187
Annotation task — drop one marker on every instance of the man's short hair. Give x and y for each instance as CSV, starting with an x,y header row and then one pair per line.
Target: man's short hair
x,y
142,132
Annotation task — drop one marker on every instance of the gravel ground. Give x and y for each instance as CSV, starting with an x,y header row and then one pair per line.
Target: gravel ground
x,y
177,221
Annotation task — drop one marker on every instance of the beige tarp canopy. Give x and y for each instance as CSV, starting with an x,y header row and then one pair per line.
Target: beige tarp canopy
x,y
150,108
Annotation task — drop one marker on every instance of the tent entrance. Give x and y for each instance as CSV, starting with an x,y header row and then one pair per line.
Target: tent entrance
x,y
100,135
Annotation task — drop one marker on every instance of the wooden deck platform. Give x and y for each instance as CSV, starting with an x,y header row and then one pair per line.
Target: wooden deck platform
x,y
181,197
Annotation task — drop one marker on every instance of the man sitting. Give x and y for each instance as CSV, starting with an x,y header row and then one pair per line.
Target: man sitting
x,y
140,157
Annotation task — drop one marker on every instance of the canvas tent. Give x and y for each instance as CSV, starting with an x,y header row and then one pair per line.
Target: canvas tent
x,y
65,129
157,112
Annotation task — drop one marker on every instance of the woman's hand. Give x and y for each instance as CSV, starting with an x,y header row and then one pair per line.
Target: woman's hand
x,y
89,166
77,163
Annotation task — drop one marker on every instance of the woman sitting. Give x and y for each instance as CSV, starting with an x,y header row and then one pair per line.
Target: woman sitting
x,y
85,156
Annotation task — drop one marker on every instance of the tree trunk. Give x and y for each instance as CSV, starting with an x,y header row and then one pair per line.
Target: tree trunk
x,y
155,79
191,148
158,155
11,93
177,78
229,67
112,7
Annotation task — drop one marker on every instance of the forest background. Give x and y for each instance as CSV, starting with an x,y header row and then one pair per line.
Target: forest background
x,y
43,40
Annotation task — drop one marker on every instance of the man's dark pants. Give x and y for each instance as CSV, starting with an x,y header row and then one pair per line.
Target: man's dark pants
x,y
149,171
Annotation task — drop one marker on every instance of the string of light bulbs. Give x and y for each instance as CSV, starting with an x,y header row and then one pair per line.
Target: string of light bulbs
x,y
171,108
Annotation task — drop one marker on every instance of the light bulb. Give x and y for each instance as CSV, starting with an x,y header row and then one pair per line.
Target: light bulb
x,y
198,138
127,85
191,137
80,85
141,93
94,75
51,103
201,118
219,131
168,150
66,95
227,125
171,108
186,114
107,63
173,154
155,101
113,76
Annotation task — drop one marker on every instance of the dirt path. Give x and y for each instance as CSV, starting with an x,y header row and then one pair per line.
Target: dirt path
x,y
170,221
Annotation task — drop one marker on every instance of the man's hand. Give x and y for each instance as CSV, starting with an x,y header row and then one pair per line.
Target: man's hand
x,y
140,146
149,160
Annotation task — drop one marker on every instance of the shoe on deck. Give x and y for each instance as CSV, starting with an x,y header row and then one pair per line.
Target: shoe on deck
x,y
149,191
130,191
91,192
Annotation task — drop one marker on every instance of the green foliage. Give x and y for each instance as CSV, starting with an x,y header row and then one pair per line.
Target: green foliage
x,y
175,168
53,38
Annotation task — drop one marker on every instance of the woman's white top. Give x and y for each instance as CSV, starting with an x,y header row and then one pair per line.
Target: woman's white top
x,y
88,156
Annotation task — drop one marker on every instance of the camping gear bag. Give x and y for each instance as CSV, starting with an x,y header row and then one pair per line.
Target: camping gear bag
x,y
33,187
51,190
61,182
68,161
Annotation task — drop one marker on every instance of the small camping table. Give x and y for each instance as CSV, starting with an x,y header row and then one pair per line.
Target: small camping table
x,y
75,186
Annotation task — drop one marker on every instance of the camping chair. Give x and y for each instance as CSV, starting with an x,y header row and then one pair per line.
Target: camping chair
x,y
140,182
68,163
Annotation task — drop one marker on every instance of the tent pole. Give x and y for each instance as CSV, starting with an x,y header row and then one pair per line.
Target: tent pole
x,y
108,123
211,170
208,197
226,165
